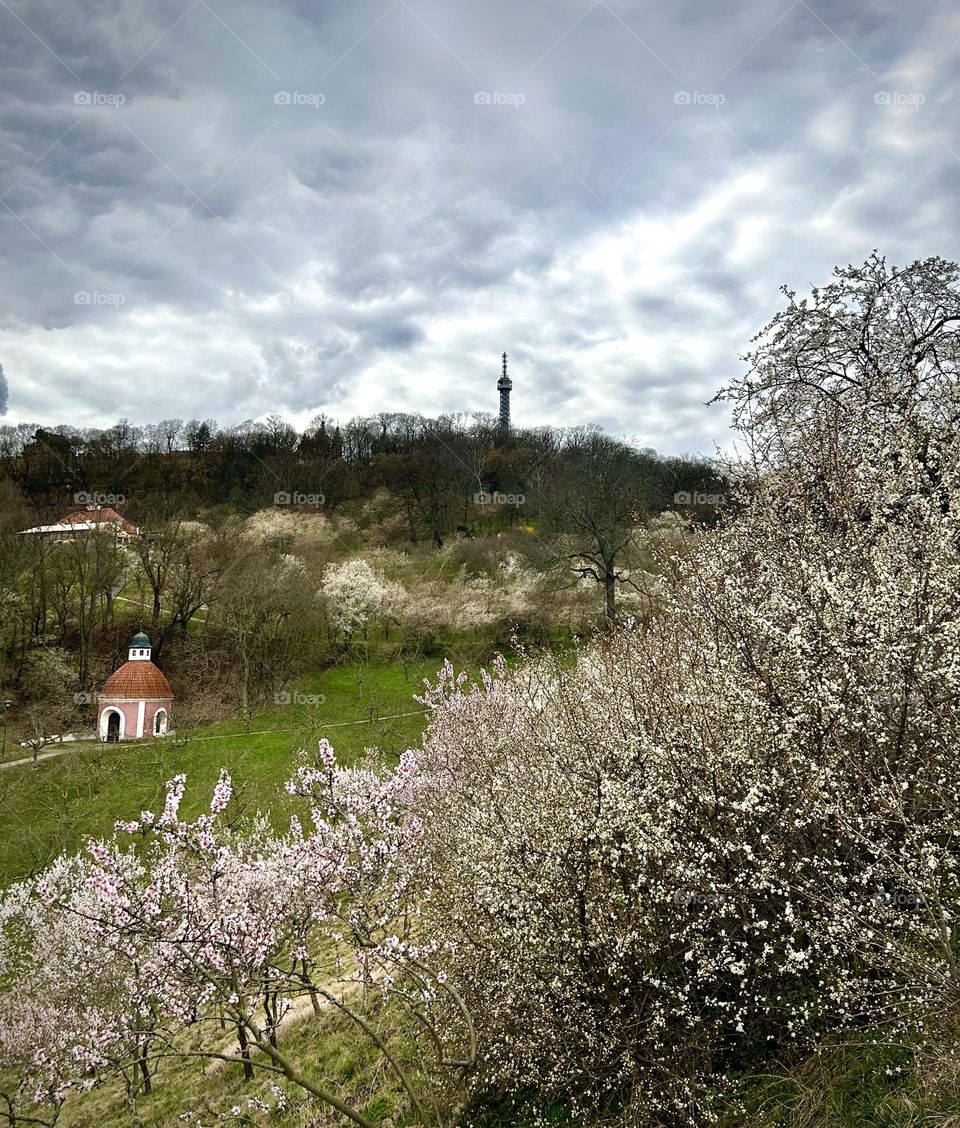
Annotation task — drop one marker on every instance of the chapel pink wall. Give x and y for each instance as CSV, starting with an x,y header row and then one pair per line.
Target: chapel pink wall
x,y
130,709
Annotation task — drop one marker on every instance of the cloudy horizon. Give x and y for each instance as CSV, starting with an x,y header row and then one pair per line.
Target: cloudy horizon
x,y
232,212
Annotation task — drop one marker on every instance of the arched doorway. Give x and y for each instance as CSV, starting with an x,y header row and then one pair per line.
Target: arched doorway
x,y
113,726
160,722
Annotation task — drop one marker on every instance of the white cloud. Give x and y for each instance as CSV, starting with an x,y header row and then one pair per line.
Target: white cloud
x,y
377,250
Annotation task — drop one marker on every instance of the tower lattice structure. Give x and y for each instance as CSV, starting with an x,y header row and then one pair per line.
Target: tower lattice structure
x,y
504,387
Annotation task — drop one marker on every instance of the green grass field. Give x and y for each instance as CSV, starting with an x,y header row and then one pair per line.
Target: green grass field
x,y
53,806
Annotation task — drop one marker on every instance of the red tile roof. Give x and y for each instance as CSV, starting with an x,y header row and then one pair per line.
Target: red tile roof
x,y
137,681
104,515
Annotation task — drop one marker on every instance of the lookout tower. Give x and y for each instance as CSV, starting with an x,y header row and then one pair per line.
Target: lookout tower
x,y
504,387
136,699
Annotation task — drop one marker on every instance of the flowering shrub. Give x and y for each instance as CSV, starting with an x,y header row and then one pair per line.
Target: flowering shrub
x,y
276,526
718,837
382,589
353,595
725,834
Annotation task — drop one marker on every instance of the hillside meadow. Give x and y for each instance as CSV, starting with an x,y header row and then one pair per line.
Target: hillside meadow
x,y
53,806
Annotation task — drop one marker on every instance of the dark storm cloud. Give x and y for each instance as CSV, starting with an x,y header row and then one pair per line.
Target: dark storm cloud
x,y
252,208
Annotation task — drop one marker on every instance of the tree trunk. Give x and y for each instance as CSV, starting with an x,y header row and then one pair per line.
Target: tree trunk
x,y
244,1052
144,1069
270,1014
245,683
314,999
609,586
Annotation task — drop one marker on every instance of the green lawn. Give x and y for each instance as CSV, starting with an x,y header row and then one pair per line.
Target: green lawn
x,y
52,806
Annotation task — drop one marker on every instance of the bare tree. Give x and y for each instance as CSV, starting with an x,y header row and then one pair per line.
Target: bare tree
x,y
90,571
595,498
49,706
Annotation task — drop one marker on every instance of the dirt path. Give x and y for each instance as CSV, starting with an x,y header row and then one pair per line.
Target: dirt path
x,y
75,745
34,759
301,1010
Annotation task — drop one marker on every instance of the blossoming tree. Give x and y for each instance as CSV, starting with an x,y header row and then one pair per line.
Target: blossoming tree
x,y
139,952
353,595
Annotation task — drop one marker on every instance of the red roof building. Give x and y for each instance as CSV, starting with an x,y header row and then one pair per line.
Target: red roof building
x,y
93,519
100,515
136,698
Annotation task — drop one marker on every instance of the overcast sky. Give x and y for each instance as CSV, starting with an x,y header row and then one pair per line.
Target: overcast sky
x,y
233,209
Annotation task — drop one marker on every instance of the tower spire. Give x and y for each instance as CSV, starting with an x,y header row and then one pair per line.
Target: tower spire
x,y
504,387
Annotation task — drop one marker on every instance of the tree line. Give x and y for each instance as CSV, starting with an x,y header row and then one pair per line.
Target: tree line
x,y
435,469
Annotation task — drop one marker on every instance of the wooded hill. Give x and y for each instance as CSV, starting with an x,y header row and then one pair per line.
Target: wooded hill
x,y
435,469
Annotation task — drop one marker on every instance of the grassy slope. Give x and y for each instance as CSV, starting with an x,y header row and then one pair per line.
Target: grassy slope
x,y
51,807
330,1049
